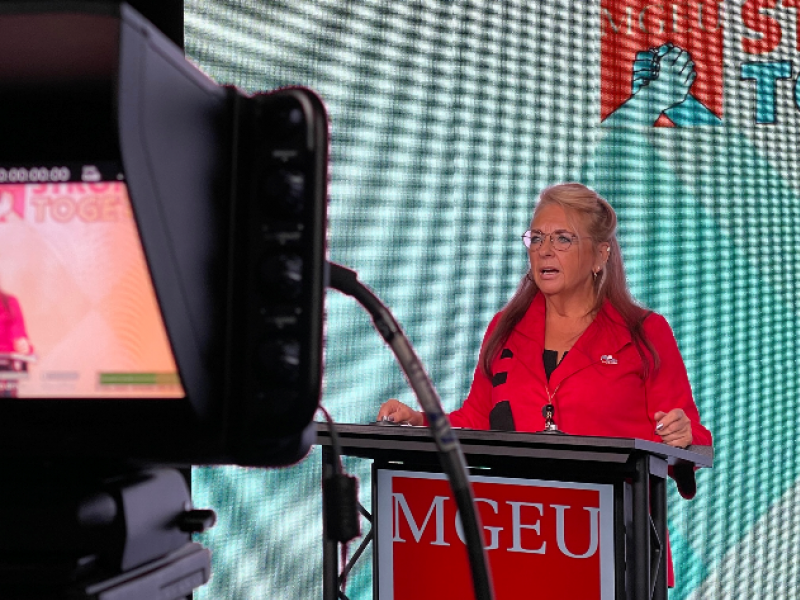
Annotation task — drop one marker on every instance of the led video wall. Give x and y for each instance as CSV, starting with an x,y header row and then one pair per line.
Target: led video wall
x,y
447,119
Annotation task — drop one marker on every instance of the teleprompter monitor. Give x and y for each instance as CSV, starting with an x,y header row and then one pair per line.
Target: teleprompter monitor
x,y
163,248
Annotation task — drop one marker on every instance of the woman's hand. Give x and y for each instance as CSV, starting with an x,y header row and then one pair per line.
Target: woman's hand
x,y
674,427
397,412
22,346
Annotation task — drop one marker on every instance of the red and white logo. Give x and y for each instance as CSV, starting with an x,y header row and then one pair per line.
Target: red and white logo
x,y
12,202
661,63
551,538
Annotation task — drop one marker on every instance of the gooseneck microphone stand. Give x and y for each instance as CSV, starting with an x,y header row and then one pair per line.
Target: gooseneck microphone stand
x,y
346,281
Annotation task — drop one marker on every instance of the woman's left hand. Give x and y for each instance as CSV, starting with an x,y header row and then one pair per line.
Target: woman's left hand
x,y
674,427
22,346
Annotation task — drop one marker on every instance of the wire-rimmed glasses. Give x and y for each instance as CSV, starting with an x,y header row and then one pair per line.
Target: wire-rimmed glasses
x,y
559,240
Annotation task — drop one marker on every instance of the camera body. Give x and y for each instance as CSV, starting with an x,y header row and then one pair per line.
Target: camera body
x,y
104,117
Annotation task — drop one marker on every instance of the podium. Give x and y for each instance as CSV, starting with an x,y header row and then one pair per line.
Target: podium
x,y
631,474
13,369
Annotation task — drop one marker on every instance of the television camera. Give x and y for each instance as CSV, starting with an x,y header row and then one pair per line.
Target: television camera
x,y
165,240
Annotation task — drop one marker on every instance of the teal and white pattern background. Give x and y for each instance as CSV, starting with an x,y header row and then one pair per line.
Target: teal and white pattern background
x,y
447,118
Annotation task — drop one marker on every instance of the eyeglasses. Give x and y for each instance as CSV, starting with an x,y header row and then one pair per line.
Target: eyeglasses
x,y
560,240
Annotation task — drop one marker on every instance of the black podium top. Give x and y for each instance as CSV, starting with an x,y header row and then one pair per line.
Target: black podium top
x,y
388,442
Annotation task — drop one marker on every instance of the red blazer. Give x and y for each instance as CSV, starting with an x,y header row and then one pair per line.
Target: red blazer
x,y
598,389
12,325
592,395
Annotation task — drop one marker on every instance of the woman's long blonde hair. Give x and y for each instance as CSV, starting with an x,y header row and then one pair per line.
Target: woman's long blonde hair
x,y
600,223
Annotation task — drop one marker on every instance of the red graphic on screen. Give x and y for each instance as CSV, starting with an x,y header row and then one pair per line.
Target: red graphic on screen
x,y
541,541
12,202
685,35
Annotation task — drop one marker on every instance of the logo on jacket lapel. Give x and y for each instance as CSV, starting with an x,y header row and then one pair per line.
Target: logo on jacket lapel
x,y
607,359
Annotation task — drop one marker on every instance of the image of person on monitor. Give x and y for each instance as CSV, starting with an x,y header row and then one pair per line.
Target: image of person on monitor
x,y
16,350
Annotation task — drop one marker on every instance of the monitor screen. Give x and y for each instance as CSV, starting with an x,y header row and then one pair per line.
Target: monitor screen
x,y
79,316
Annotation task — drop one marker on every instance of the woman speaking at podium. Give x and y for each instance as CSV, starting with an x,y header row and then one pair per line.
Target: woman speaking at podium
x,y
572,339
14,344
573,345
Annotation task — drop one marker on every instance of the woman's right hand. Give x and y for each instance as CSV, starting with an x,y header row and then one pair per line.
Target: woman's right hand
x,y
397,412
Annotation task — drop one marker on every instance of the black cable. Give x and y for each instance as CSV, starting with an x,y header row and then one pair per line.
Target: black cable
x,y
336,446
346,281
340,502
